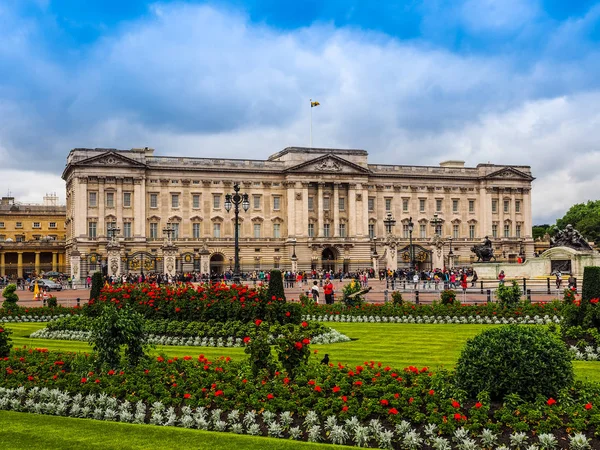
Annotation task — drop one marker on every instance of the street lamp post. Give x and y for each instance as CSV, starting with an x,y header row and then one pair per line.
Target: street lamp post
x,y
236,199
411,226
450,253
112,233
168,231
435,222
389,223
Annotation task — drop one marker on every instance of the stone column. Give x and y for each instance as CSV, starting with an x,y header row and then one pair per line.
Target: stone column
x,y
37,263
484,214
352,210
320,210
101,227
336,209
139,207
294,264
113,259
55,261
526,208
2,264
20,264
169,259
291,210
75,266
365,210
304,222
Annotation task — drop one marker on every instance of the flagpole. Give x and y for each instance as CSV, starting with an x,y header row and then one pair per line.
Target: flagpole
x,y
311,123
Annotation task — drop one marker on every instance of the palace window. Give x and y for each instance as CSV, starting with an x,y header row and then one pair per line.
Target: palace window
x,y
257,230
174,200
217,230
92,228
405,204
311,203
371,204
517,205
326,203
388,204
256,201
438,205
216,201
175,230
127,229
126,199
422,205
196,230
454,205
495,231
471,231
518,230
92,199
326,230
342,230
342,204
506,206
1,224
506,230
110,199
455,231
405,232
371,230
196,201
153,230
311,230
153,200
276,203
471,206
37,225
422,230
276,230
110,225
494,206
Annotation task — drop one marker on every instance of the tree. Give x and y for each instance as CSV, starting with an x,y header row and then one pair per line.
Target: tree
x,y
585,217
275,286
97,283
11,298
539,231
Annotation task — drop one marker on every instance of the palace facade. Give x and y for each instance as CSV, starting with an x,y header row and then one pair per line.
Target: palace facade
x,y
328,207
32,237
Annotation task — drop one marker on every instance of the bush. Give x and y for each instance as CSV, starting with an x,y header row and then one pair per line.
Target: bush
x,y
509,296
258,350
569,296
10,298
522,360
275,286
292,349
97,283
52,302
448,297
5,342
397,299
349,289
591,284
114,328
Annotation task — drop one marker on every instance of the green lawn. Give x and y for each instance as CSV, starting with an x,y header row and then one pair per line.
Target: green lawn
x,y
33,432
396,345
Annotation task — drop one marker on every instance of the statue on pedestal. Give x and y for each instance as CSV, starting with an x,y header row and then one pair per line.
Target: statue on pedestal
x,y
569,237
485,251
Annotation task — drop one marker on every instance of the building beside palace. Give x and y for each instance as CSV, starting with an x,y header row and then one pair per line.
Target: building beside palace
x,y
326,206
32,237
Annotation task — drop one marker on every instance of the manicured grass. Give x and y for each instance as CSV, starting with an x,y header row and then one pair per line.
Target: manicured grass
x,y
33,432
396,345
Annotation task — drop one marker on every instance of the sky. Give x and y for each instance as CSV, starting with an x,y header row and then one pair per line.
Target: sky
x,y
412,82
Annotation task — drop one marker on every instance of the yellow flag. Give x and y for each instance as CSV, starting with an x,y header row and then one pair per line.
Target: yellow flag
x,y
313,104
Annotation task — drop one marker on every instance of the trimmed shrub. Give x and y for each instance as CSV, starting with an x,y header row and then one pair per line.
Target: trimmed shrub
x,y
10,297
258,350
591,284
275,290
397,299
5,342
97,283
522,360
292,349
448,297
52,302
509,296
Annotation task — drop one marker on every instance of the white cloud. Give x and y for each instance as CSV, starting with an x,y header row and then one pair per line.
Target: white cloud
x,y
197,81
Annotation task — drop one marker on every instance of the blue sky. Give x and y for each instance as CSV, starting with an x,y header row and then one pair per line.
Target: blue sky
x,y
412,82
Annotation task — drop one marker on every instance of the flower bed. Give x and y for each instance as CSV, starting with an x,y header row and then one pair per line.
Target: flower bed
x,y
436,310
368,405
536,320
36,314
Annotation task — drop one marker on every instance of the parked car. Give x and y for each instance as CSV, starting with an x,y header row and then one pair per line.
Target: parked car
x,y
47,285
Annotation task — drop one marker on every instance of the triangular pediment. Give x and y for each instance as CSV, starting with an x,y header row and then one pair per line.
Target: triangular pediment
x,y
329,163
110,159
508,173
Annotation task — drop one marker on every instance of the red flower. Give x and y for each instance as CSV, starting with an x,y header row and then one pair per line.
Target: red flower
x,y
160,359
318,388
306,341
84,380
247,339
588,406
344,408
244,381
177,309
286,380
288,314
187,395
457,416
97,381
594,300
344,398
110,372
393,411
304,324
311,382
219,393
358,383
336,389
384,402
270,396
298,345
30,378
455,404
187,358
431,392
396,395
257,322
410,400
478,405
551,401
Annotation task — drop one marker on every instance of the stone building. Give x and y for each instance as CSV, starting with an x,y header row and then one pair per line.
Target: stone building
x,y
32,237
326,206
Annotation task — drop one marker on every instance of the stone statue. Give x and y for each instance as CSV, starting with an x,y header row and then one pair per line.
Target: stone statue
x,y
569,237
485,251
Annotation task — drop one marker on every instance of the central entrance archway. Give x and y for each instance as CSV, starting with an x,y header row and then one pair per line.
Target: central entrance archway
x,y
217,264
328,259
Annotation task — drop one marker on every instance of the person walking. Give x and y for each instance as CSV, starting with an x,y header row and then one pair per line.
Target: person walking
x,y
315,291
328,290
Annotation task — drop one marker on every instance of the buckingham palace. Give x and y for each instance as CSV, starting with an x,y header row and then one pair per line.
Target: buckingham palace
x,y
307,208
